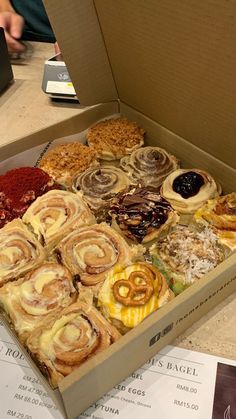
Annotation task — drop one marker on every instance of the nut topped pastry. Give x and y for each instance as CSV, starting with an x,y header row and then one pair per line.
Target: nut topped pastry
x,y
188,189
142,214
185,255
131,293
55,214
115,138
64,160
149,166
220,213
68,340
99,185
29,300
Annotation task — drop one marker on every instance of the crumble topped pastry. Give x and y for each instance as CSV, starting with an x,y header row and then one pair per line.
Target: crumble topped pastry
x,y
64,160
115,138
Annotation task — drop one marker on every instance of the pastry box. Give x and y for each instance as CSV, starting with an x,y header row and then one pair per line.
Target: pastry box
x,y
168,66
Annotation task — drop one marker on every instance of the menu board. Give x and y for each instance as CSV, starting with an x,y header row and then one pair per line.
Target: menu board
x,y
175,383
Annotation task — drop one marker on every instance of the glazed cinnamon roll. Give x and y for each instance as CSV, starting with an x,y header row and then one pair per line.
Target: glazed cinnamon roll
x,y
99,185
129,294
188,189
55,214
90,252
115,138
19,251
29,300
149,165
141,215
63,344
221,214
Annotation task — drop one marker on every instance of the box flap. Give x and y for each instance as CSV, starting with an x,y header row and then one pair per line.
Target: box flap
x,y
79,36
172,60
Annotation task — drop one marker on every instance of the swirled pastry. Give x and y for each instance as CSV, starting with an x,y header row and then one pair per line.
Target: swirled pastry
x,y
19,251
64,160
185,255
64,343
114,138
99,185
30,299
149,165
221,214
188,189
142,214
129,294
55,214
91,252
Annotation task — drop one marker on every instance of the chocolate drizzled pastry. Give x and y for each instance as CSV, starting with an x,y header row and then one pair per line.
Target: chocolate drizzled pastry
x,y
142,214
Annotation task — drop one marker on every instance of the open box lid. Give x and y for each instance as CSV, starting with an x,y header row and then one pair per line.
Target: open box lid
x,y
173,60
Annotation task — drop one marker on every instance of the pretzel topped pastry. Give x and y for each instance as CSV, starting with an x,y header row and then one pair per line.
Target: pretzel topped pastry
x,y
131,293
115,138
221,214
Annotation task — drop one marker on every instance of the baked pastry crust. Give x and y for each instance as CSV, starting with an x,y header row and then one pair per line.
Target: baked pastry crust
x,y
64,160
43,291
189,204
99,185
19,251
115,138
90,252
62,344
149,166
55,214
139,304
142,215
221,214
187,254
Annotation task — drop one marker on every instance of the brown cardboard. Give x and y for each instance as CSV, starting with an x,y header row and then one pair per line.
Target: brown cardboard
x,y
158,55
172,60
80,389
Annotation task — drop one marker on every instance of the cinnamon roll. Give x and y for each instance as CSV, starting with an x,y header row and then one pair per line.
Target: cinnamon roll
x,y
115,138
185,255
30,299
188,189
64,160
129,294
55,214
90,252
221,214
64,343
19,251
99,185
141,215
149,166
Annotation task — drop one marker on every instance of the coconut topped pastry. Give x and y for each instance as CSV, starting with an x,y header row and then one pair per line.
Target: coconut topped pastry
x,y
185,255
188,189
115,138
142,214
149,166
221,214
64,160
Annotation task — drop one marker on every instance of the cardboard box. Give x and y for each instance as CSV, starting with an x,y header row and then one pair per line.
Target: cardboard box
x,y
169,66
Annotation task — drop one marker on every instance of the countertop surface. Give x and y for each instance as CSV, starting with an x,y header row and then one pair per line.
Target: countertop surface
x,y
24,108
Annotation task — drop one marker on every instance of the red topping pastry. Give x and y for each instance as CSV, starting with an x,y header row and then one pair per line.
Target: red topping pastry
x,y
19,188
